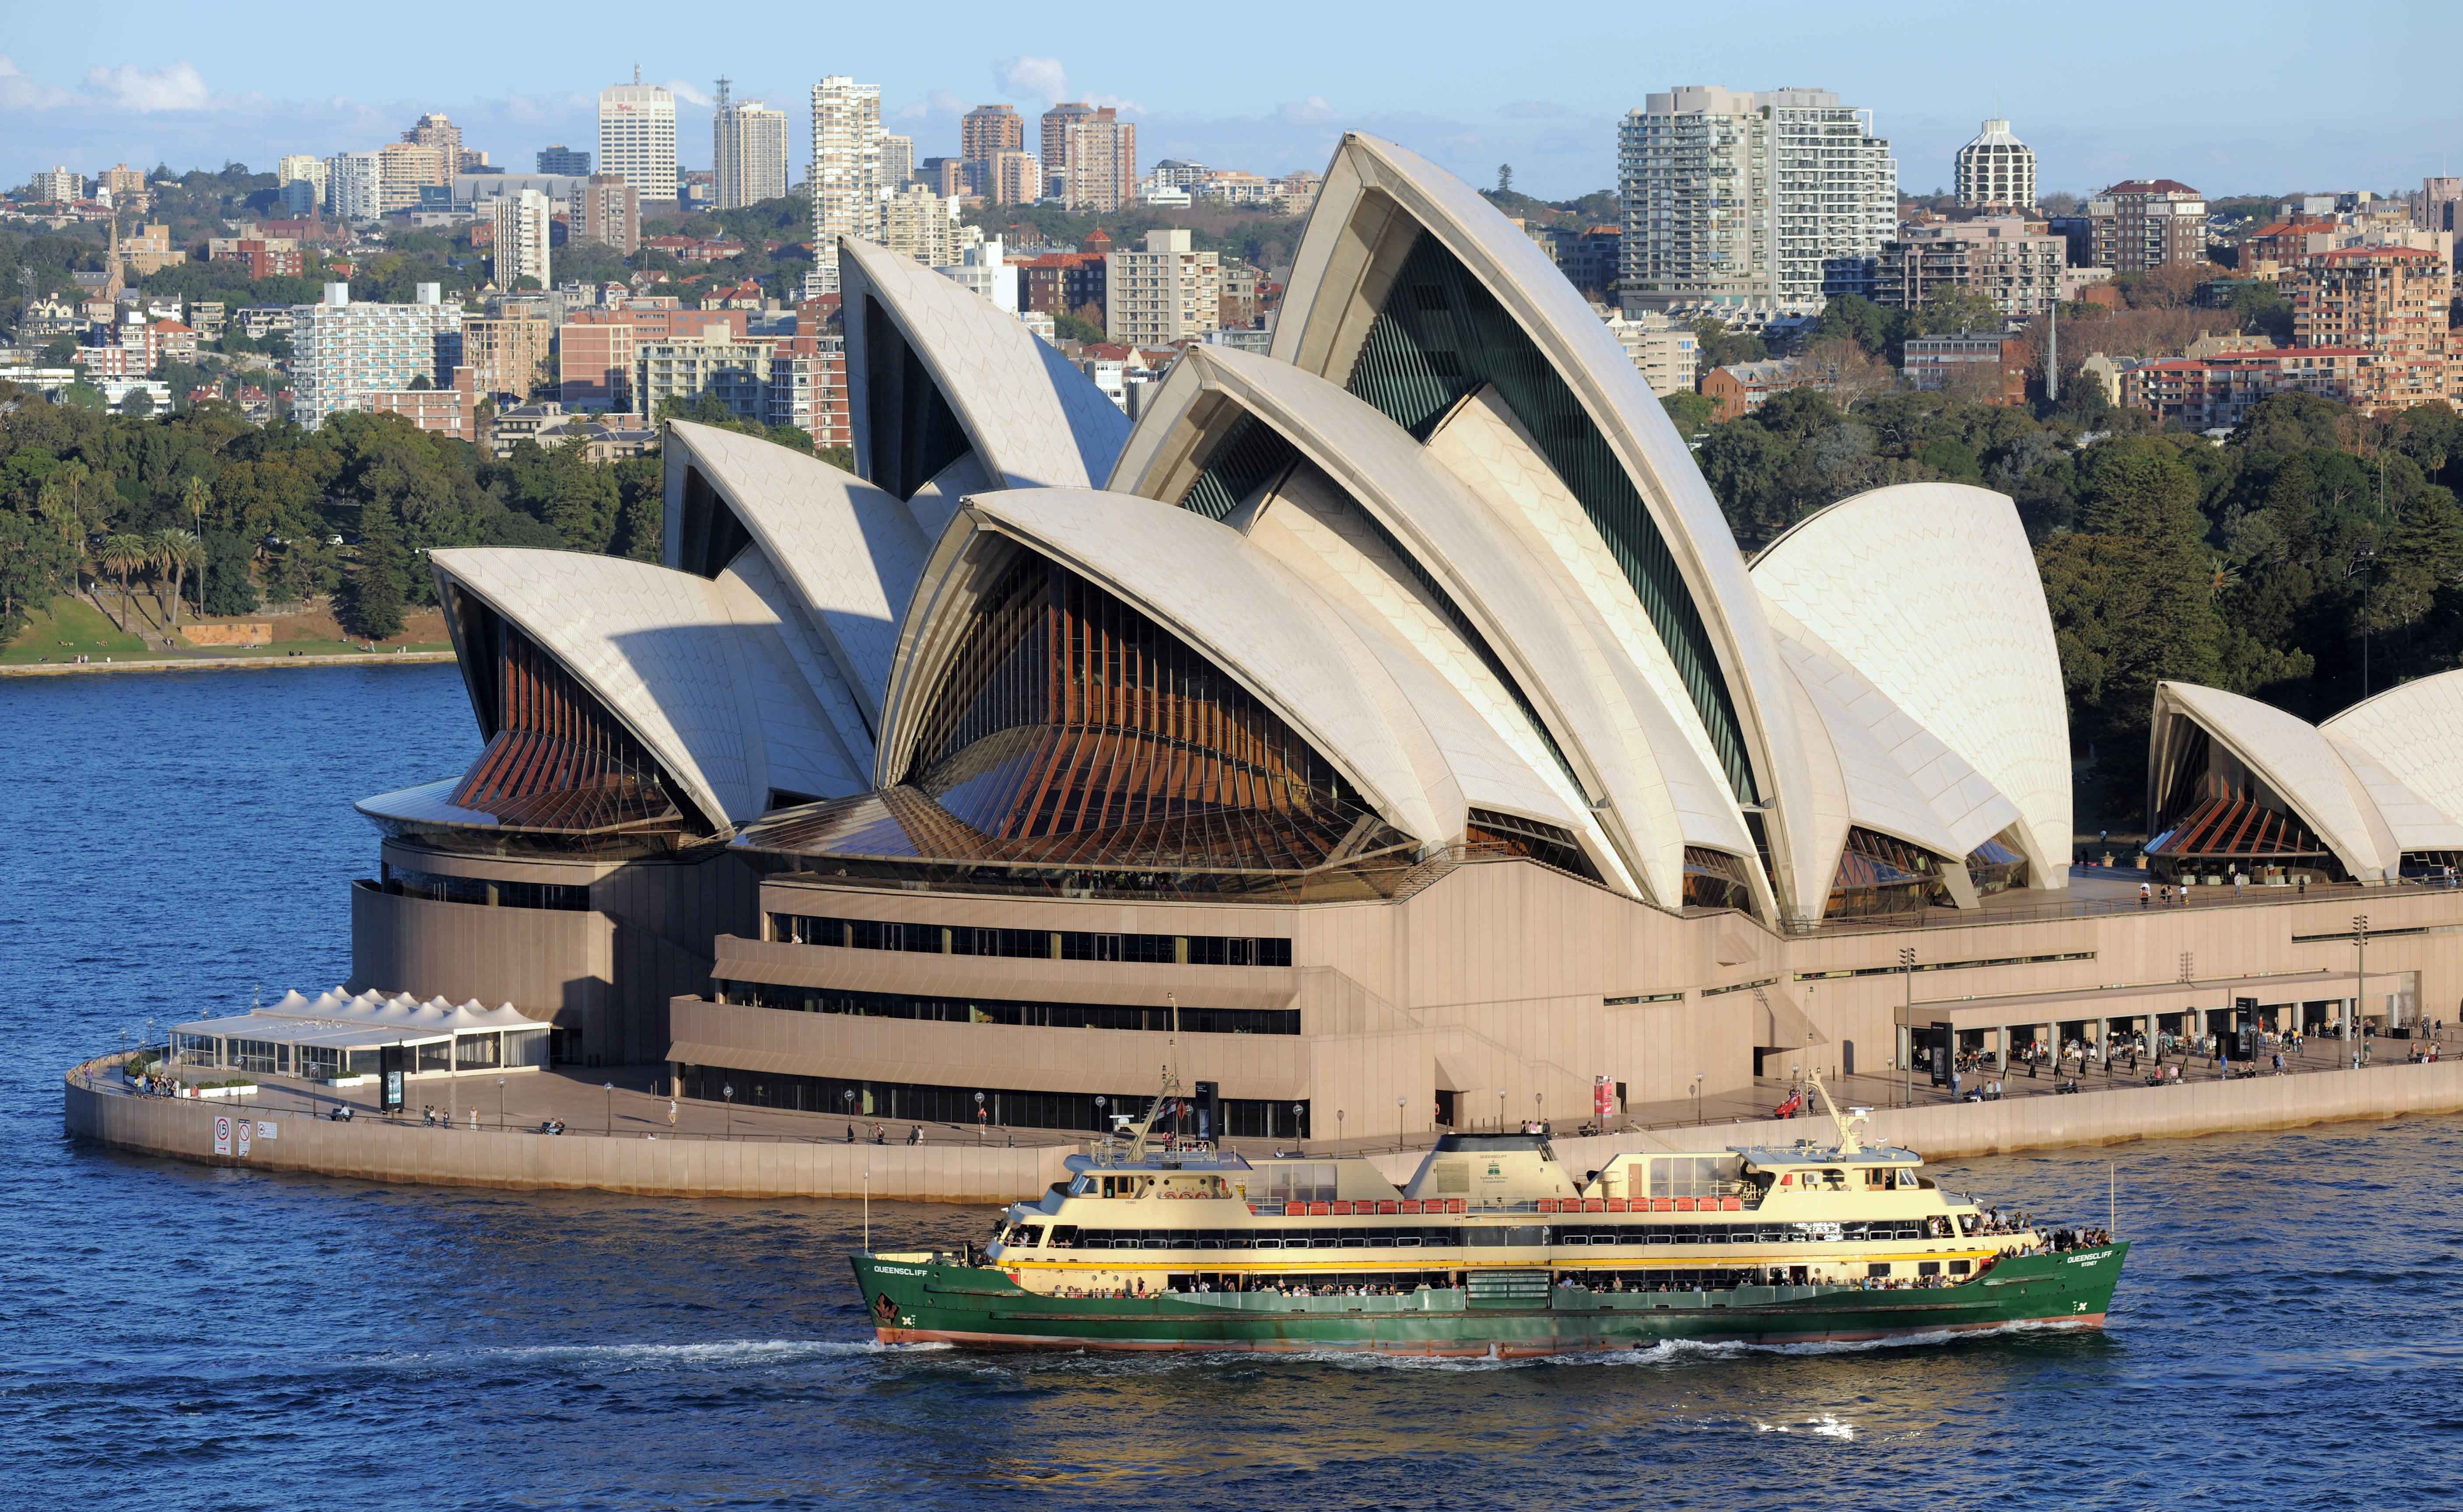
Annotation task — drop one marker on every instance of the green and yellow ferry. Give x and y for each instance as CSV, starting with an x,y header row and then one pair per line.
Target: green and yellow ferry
x,y
1493,1248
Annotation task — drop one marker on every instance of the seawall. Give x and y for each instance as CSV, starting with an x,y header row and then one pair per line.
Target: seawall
x,y
342,658
2122,1116
374,1151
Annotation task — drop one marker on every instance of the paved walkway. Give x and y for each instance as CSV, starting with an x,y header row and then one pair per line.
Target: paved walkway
x,y
208,662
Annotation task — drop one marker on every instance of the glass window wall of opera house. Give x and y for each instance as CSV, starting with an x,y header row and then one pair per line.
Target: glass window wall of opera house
x,y
1385,726
335,1036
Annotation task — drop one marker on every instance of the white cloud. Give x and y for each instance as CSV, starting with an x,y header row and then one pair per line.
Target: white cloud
x,y
687,94
1299,110
128,86
1040,78
1120,103
19,92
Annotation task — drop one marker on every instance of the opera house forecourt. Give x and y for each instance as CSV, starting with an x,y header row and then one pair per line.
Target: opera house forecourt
x,y
1394,714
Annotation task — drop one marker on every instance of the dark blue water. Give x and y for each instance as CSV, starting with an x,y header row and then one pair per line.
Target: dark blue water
x,y
176,1336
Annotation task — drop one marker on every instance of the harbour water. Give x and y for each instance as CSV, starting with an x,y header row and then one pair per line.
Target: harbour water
x,y
174,1335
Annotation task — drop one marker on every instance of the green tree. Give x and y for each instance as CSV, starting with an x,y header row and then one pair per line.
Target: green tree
x,y
122,555
379,576
229,589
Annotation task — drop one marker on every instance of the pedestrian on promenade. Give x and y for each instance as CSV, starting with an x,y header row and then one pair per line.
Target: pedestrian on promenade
x,y
671,1113
2143,891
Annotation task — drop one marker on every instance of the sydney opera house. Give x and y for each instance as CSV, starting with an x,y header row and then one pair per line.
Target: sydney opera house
x,y
1394,713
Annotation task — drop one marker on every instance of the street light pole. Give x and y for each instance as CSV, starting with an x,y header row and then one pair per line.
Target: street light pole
x,y
1697,1099
500,1103
610,1089
727,1095
1907,1034
2360,980
1398,1125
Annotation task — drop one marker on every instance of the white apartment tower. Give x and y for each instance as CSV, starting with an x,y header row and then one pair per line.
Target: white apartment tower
x,y
748,150
521,238
344,351
636,137
1162,294
302,165
846,170
60,183
1997,170
1737,198
355,185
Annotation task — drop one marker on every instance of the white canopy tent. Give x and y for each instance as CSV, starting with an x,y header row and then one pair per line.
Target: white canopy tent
x,y
338,1033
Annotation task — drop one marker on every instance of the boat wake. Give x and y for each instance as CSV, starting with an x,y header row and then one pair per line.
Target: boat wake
x,y
713,1354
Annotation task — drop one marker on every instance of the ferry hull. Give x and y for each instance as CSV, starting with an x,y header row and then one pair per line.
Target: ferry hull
x,y
925,1302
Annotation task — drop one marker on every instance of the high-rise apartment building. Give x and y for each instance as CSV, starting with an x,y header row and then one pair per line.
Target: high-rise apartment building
x,y
897,161
438,131
2014,263
608,211
345,352
1737,198
410,166
748,150
58,182
564,161
733,369
1013,178
301,167
984,134
1099,161
846,170
2389,302
520,248
637,138
1161,293
919,224
355,185
1055,154
593,364
1997,170
508,354
2440,207
2147,223
121,181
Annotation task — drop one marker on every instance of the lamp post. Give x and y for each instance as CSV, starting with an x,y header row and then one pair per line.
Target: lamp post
x,y
982,1128
1534,1107
609,1088
500,1103
1099,1114
1398,1126
1297,1132
2360,980
1697,1099
726,1094
1907,1034
1500,1110
1338,1129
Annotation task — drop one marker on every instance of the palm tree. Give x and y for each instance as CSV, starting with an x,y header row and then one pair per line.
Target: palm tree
x,y
181,555
123,554
162,553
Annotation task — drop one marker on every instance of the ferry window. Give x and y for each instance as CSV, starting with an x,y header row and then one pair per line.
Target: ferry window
x,y
1301,1181
1959,1268
1929,1267
1882,1269
1033,1238
1694,1176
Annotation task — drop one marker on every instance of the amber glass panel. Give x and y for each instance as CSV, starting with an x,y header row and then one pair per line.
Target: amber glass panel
x,y
558,760
1079,732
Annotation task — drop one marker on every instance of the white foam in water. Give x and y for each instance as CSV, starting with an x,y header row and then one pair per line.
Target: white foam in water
x,y
1824,1426
717,1353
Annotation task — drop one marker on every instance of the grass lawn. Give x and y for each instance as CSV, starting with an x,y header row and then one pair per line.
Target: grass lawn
x,y
71,619
74,621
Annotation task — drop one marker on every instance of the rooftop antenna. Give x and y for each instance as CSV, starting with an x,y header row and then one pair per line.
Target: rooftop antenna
x,y
637,72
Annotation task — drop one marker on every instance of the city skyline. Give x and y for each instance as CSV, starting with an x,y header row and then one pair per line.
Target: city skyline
x,y
1548,104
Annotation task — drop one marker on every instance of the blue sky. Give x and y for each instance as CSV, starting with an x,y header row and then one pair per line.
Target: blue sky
x,y
2258,97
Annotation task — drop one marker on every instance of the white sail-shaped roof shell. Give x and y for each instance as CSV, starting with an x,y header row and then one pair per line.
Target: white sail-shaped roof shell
x,y
1222,595
852,551
695,669
1378,195
1654,794
2403,744
1929,593
1034,420
2295,760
